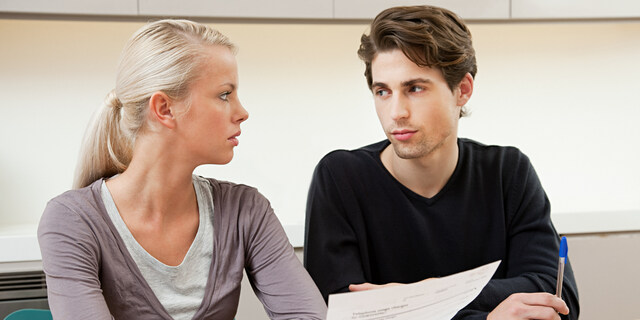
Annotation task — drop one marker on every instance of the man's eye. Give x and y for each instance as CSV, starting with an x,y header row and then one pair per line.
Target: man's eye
x,y
382,92
416,89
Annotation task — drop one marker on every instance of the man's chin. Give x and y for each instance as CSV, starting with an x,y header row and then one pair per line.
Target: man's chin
x,y
407,152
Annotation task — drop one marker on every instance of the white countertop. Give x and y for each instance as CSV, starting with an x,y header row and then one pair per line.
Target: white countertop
x,y
596,222
20,243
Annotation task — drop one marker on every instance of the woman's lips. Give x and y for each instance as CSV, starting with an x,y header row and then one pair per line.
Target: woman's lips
x,y
234,139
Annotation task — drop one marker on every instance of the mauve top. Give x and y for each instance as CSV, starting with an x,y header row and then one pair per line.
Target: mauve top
x,y
91,275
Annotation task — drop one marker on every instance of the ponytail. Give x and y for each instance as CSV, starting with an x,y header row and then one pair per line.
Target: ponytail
x,y
106,150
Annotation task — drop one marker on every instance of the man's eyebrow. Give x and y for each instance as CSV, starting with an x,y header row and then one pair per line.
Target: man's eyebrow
x,y
412,82
407,83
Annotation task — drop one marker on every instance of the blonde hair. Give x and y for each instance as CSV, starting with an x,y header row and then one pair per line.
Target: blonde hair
x,y
161,56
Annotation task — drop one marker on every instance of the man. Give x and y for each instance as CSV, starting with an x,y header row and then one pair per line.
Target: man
x,y
425,203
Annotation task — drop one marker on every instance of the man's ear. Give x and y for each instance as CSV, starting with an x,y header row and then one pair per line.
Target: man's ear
x,y
465,89
160,109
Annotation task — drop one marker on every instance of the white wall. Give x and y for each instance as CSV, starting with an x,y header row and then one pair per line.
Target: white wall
x,y
562,92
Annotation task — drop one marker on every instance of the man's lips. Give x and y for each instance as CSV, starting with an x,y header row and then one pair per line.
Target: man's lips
x,y
403,134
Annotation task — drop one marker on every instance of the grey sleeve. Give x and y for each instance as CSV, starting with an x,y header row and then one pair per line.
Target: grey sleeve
x,y
70,261
278,278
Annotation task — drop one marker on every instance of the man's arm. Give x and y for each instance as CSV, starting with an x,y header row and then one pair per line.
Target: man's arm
x,y
331,255
532,249
519,306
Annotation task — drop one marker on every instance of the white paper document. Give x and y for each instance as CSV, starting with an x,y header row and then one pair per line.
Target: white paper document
x,y
433,299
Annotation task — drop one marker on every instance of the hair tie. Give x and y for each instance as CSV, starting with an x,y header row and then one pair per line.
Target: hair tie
x,y
117,103
113,101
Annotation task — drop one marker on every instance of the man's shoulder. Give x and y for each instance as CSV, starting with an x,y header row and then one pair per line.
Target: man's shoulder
x,y
345,157
361,162
491,153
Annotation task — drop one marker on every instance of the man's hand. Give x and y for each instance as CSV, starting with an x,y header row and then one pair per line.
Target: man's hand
x,y
539,305
370,286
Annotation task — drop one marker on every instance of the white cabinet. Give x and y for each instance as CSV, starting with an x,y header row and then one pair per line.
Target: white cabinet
x,y
467,9
574,9
329,9
89,7
301,9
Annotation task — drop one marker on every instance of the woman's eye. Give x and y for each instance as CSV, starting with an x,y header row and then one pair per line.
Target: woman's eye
x,y
225,96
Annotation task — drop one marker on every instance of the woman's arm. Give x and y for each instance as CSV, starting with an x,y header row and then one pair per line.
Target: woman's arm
x,y
281,283
70,259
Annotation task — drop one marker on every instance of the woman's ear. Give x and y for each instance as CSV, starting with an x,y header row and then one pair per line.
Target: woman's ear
x,y
160,109
465,90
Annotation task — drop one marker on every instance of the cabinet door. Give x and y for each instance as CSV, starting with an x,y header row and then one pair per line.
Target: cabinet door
x,y
562,9
467,9
320,9
94,7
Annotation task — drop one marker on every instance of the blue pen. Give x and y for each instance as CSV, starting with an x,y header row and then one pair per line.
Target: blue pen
x,y
561,261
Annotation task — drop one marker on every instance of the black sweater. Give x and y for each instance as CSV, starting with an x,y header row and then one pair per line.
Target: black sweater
x,y
362,225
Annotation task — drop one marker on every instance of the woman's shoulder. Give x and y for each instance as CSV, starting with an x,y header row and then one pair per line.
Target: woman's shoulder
x,y
73,221
233,193
224,186
73,208
75,200
238,206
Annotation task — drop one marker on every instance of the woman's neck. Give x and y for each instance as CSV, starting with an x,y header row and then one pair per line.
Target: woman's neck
x,y
155,186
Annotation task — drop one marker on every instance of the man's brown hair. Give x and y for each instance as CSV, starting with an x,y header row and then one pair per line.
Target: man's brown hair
x,y
429,36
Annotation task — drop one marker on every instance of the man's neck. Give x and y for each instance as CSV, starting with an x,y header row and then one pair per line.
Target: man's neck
x,y
427,175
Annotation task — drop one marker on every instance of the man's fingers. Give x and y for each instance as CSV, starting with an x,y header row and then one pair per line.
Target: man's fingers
x,y
540,312
361,286
546,300
369,286
539,305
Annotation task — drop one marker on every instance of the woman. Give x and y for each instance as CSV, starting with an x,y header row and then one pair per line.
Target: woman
x,y
141,237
